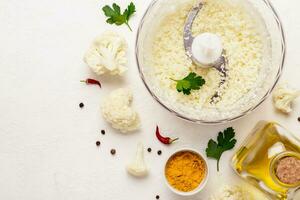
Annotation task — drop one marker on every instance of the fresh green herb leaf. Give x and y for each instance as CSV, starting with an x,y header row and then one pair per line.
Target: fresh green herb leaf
x,y
129,11
117,9
108,11
114,14
226,142
191,82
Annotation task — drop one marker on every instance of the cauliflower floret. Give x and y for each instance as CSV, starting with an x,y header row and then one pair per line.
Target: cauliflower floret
x,y
283,98
233,193
117,111
107,54
138,166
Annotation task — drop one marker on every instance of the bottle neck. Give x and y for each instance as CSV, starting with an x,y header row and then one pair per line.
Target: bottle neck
x,y
285,161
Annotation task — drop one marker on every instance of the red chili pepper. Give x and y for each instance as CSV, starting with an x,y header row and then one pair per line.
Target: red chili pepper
x,y
91,81
162,139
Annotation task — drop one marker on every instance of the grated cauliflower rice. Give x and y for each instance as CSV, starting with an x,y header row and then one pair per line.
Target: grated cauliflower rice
x,y
245,41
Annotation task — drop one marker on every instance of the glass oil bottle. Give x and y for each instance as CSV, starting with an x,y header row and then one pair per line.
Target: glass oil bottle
x,y
256,160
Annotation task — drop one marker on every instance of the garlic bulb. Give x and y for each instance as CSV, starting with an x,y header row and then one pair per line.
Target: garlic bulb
x,y
283,98
138,166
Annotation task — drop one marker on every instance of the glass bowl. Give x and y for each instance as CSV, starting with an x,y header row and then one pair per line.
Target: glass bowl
x,y
150,22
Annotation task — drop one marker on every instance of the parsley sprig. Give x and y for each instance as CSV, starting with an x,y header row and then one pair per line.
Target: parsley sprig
x,y
190,82
226,142
116,17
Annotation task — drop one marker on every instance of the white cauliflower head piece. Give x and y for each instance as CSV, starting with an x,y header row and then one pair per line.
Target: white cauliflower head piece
x,y
107,54
138,166
233,193
284,96
116,109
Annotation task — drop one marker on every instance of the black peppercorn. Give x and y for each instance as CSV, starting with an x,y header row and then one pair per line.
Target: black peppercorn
x,y
98,143
299,119
103,132
81,105
159,152
157,197
113,152
149,150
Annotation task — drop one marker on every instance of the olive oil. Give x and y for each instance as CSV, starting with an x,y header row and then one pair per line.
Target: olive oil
x,y
254,159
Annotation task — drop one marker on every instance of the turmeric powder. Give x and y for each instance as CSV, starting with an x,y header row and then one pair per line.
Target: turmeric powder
x,y
185,171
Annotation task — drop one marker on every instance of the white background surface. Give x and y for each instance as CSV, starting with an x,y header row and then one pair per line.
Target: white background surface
x,y
47,144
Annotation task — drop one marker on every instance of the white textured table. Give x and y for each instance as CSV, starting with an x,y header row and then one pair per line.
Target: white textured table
x,y
47,144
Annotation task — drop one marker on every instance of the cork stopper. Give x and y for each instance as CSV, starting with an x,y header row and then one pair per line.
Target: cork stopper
x,y
288,170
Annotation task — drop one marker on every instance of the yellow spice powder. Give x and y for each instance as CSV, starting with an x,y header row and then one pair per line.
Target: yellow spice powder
x,y
185,171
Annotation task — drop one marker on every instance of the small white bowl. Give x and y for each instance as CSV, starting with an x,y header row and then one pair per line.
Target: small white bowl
x,y
200,186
